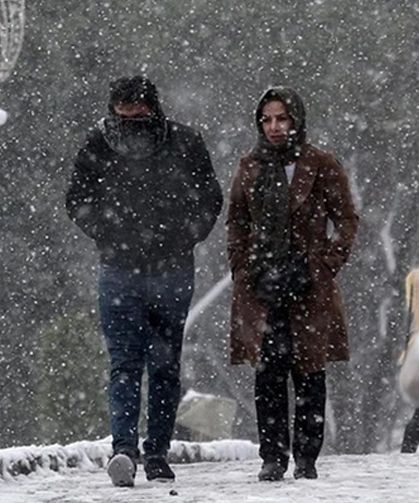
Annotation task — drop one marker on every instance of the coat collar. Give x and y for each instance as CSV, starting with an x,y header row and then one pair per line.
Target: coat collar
x,y
303,180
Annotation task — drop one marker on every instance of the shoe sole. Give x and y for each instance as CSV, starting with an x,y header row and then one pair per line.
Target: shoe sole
x,y
161,480
271,479
307,477
121,470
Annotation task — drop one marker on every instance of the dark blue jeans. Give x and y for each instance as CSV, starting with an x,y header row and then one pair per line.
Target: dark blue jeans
x,y
143,317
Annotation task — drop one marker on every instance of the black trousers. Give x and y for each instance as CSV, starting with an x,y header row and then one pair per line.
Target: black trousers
x,y
411,434
271,396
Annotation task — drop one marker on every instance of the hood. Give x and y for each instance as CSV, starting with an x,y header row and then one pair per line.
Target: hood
x,y
295,108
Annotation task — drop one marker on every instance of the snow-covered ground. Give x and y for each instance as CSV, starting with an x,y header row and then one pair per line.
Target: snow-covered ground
x,y
380,478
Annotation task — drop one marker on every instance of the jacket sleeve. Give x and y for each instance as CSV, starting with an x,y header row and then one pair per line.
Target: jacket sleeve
x,y
341,211
238,224
205,199
83,195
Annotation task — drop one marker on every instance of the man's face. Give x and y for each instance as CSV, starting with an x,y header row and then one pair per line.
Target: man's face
x,y
131,110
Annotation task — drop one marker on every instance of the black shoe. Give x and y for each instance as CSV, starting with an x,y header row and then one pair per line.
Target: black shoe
x,y
271,471
156,468
305,470
122,469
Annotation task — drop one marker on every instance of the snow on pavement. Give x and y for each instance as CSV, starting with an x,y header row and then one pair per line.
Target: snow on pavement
x,y
380,478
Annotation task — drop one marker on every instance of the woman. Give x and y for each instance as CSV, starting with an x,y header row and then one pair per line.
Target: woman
x,y
287,313
408,377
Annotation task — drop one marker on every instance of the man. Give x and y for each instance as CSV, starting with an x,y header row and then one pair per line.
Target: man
x,y
144,189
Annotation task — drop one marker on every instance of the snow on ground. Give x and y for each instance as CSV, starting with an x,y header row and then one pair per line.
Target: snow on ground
x,y
384,478
85,455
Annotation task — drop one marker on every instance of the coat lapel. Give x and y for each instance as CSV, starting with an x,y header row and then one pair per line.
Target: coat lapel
x,y
303,180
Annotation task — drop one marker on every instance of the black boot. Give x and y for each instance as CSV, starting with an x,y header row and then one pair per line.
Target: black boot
x,y
305,469
271,471
157,468
411,434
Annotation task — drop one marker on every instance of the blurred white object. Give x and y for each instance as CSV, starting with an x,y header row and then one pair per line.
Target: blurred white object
x,y
3,116
409,372
205,301
209,416
12,21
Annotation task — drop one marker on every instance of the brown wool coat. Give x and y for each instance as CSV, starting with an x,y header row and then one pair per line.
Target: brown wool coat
x,y
319,191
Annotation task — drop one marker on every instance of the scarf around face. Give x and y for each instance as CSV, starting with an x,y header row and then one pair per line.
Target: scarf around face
x,y
137,137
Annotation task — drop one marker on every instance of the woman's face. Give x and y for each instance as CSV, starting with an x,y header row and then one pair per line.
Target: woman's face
x,y
276,123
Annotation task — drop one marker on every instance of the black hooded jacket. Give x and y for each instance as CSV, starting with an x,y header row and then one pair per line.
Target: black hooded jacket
x,y
145,213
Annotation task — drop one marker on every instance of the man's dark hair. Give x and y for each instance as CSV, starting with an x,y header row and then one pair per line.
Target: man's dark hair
x,y
133,90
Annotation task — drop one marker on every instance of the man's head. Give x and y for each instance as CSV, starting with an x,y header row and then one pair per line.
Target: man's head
x,y
137,126
132,97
